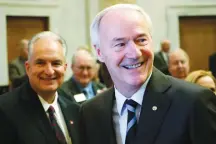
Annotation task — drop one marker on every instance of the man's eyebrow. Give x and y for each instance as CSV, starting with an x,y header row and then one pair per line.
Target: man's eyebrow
x,y
141,35
118,39
123,39
39,60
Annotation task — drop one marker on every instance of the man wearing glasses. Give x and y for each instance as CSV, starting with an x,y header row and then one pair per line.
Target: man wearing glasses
x,y
81,86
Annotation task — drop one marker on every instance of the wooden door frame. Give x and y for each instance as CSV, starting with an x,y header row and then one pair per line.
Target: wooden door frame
x,y
23,8
191,9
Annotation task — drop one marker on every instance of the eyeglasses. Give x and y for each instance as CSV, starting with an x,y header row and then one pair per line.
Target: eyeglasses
x,y
82,68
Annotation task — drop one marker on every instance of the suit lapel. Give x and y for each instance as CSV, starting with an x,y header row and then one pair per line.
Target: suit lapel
x,y
36,114
106,113
162,58
74,89
70,119
94,87
154,108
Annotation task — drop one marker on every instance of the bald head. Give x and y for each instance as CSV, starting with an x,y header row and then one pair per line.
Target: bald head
x,y
165,46
179,63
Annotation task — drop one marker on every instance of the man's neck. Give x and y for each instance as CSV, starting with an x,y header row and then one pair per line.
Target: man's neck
x,y
49,98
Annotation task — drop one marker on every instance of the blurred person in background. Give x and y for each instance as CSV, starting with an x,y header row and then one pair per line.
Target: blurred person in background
x,y
203,78
17,66
81,86
212,64
178,64
161,57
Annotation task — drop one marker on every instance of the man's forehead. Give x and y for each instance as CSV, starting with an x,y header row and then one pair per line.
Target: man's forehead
x,y
115,15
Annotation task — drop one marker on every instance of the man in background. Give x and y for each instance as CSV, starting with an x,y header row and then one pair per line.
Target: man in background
x,y
161,57
17,66
212,64
81,86
35,113
179,66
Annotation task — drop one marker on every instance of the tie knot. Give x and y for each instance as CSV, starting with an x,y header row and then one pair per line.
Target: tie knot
x,y
131,104
85,92
51,110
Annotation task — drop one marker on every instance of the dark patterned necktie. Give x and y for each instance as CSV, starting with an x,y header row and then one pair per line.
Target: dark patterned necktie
x,y
131,121
58,132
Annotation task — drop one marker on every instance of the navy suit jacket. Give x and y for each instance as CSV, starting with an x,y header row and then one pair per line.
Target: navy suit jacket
x,y
24,121
186,114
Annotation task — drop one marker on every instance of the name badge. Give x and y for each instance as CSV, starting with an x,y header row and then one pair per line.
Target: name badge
x,y
80,97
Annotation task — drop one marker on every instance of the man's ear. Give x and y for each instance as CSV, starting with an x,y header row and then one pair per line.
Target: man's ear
x,y
72,67
99,54
27,66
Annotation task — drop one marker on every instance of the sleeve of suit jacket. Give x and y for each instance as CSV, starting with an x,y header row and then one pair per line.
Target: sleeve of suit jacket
x,y
202,120
7,132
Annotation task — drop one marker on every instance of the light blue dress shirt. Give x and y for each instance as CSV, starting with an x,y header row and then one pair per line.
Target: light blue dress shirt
x,y
120,112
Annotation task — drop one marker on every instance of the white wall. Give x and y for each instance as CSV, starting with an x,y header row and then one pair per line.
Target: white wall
x,y
72,27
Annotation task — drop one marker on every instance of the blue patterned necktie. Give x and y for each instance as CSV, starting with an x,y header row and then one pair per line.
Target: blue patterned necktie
x,y
86,93
58,132
131,121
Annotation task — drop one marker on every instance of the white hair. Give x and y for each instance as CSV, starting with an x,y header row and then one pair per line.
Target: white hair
x,y
94,28
46,34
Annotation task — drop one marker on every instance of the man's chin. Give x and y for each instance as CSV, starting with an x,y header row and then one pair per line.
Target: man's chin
x,y
49,88
85,83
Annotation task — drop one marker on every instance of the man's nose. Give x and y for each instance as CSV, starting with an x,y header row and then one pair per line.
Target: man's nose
x,y
180,64
133,51
49,69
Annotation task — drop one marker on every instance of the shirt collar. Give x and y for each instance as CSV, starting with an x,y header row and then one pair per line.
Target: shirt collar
x,y
46,105
137,97
89,86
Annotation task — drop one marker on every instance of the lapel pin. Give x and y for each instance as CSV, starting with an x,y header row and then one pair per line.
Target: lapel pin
x,y
71,122
154,108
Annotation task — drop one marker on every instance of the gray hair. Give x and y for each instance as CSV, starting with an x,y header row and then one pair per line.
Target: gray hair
x,y
94,28
46,34
83,48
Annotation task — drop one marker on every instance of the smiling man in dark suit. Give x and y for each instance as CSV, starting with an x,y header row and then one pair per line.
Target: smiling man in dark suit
x,y
34,113
144,106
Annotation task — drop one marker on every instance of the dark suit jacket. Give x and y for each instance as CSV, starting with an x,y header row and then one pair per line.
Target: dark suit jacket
x,y
24,121
186,114
16,69
212,64
71,88
160,63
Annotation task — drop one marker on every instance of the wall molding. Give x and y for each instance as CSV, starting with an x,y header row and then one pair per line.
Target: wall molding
x,y
16,3
189,9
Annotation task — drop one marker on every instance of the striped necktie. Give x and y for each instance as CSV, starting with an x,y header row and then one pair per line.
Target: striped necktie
x,y
131,121
58,132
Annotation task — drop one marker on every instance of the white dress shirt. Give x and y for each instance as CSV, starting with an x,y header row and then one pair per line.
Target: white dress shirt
x,y
165,56
120,112
58,114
